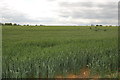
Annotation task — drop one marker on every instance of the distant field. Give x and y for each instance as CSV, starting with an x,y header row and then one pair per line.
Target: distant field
x,y
63,51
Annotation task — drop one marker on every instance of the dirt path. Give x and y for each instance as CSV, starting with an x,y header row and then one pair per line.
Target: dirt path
x,y
84,73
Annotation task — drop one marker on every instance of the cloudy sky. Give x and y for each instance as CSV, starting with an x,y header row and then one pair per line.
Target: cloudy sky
x,y
59,12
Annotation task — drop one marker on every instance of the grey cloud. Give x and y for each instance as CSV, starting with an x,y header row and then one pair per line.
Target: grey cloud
x,y
88,4
92,14
106,12
109,5
78,4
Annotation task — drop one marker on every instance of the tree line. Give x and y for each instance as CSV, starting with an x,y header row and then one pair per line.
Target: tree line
x,y
9,24
14,24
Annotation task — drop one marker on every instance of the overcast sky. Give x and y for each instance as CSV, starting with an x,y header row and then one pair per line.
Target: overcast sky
x,y
59,12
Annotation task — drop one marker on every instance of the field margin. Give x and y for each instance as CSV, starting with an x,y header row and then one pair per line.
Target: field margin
x,y
0,52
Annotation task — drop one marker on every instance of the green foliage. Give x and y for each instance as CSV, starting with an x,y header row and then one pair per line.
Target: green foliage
x,y
8,24
48,51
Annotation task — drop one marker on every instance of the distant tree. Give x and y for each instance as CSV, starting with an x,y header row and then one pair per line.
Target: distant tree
x,y
15,24
8,24
97,25
1,24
